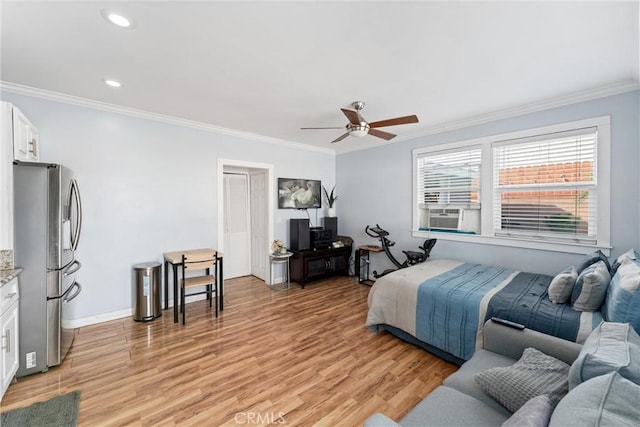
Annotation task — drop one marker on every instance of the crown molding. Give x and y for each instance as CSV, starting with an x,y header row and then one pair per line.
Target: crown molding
x,y
141,114
559,101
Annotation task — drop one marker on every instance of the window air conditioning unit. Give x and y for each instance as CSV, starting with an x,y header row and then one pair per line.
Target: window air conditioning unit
x,y
444,219
462,220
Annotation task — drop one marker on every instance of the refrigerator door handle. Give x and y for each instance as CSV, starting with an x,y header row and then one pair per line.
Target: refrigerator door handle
x,y
72,270
74,197
75,294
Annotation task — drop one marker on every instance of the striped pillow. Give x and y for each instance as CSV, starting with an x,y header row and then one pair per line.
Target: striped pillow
x,y
631,253
534,374
590,289
622,303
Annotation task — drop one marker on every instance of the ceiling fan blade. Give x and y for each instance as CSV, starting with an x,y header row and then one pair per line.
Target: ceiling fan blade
x,y
341,127
340,138
353,116
397,121
381,134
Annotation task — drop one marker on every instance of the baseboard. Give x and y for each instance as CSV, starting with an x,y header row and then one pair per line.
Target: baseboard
x,y
115,315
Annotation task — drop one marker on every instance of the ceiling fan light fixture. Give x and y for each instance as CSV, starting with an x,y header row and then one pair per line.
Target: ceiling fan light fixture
x,y
358,131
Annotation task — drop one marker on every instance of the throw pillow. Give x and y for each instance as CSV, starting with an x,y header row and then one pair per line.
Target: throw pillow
x,y
610,347
590,289
631,253
561,286
607,400
535,373
592,258
535,413
623,294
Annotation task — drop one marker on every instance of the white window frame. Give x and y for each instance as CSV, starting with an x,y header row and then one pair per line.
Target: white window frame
x,y
486,235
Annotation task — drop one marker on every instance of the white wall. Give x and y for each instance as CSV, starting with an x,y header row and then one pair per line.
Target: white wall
x,y
147,187
375,187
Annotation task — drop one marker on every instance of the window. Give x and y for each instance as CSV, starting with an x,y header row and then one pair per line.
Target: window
x,y
449,186
450,177
545,188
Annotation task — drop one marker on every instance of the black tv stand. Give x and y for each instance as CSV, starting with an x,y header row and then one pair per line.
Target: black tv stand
x,y
312,265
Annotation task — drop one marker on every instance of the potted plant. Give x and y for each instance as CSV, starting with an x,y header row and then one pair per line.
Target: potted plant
x,y
331,200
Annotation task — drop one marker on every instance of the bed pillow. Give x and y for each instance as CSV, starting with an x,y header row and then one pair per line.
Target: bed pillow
x,y
611,347
592,258
607,400
561,286
622,303
535,413
535,373
631,253
590,289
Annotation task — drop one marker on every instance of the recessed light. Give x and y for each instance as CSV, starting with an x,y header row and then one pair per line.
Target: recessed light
x,y
117,19
112,83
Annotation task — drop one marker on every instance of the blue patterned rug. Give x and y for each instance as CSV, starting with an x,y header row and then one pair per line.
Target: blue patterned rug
x,y
60,411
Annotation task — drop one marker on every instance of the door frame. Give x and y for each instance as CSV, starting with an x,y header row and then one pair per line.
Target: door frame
x,y
271,196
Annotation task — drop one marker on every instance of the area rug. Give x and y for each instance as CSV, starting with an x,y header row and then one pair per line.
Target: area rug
x,y
59,411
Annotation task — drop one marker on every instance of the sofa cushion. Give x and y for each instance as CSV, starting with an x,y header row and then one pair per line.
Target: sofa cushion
x,y
463,381
380,420
591,287
607,400
448,407
622,303
535,373
610,347
535,413
561,286
592,258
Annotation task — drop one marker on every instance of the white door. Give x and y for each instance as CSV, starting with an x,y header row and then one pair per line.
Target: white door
x,y
259,217
237,246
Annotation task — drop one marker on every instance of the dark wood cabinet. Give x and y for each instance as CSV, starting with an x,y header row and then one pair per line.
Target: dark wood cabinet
x,y
307,266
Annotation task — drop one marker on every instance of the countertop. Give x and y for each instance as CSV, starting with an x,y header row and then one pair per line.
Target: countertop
x,y
7,275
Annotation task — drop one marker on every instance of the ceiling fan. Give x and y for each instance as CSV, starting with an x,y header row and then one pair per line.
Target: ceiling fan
x,y
359,127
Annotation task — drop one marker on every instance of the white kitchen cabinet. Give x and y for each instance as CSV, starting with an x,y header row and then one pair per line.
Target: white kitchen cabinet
x,y
8,333
6,176
26,139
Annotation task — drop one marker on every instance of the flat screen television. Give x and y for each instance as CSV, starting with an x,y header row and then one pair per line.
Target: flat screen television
x,y
299,193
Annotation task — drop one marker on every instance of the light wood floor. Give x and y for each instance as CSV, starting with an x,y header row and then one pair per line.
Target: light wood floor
x,y
300,357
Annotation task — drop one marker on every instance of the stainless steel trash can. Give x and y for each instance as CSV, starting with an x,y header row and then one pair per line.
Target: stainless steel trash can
x,y
147,291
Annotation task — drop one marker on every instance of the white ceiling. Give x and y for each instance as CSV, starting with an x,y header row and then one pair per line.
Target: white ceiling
x,y
269,68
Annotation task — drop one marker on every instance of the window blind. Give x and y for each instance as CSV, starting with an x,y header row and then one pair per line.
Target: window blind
x,y
450,177
546,187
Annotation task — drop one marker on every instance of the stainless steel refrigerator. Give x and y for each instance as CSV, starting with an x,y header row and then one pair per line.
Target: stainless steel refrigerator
x,y
48,220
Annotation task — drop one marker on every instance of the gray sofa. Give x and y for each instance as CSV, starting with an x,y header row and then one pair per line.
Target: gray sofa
x,y
460,401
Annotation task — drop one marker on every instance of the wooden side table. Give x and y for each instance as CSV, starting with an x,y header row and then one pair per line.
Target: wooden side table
x,y
361,265
279,259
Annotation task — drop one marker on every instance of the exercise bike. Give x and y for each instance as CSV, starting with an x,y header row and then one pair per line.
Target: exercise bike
x,y
413,257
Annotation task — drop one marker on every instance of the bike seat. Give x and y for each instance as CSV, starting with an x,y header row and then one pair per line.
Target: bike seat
x,y
413,256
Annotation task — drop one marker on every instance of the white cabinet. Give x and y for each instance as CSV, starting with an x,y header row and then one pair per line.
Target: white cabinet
x,y
6,176
8,333
19,140
26,139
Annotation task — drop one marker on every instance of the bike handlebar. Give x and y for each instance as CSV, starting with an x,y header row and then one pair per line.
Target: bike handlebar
x,y
376,231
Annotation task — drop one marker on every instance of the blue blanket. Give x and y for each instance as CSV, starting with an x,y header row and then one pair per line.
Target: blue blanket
x,y
444,303
448,306
525,300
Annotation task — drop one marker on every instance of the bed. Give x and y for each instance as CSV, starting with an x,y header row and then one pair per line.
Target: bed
x,y
442,305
